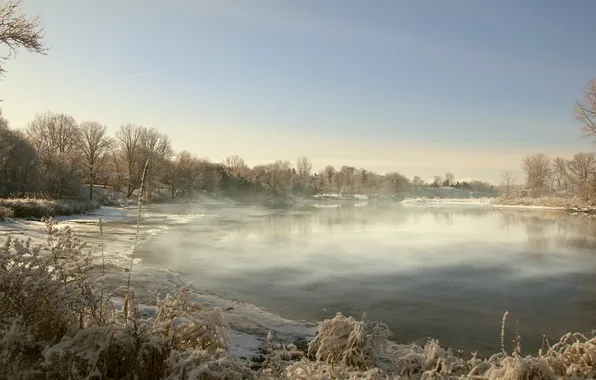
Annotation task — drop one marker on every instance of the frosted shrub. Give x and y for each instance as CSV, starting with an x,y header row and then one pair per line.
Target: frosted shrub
x,y
31,295
517,368
34,307
187,326
348,342
55,324
573,355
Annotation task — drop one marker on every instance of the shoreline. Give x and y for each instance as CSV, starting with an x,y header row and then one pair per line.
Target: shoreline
x,y
489,203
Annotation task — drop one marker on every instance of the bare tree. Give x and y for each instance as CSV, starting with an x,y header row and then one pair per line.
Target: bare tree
x,y
397,182
538,171
157,151
508,183
437,181
560,175
374,181
417,182
130,140
303,168
276,176
449,179
361,179
94,146
56,138
187,173
585,111
339,181
17,31
582,170
281,174
348,176
328,174
236,165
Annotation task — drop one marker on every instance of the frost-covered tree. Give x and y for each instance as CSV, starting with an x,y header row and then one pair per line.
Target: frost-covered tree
x,y
538,171
327,174
348,173
56,138
507,183
417,182
303,169
449,179
582,172
560,175
94,144
130,143
236,165
156,152
585,111
397,182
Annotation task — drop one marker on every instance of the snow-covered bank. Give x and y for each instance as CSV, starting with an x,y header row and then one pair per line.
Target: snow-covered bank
x,y
528,207
474,202
441,202
250,324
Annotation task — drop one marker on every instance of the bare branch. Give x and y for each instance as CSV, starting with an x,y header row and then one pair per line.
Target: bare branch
x,y
18,31
586,112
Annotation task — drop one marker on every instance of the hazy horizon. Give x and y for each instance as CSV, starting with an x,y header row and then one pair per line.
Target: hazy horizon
x,y
421,88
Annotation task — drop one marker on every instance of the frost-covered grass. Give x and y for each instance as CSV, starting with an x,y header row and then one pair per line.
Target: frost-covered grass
x,y
544,202
58,320
39,208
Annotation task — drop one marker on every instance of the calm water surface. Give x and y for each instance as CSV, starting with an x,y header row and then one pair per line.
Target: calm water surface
x,y
448,273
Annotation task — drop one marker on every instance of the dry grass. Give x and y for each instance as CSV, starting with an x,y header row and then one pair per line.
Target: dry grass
x,y
40,208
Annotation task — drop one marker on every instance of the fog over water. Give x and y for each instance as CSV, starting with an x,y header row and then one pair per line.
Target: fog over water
x,y
446,272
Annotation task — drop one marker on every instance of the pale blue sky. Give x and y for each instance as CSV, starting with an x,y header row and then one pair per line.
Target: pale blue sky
x,y
420,87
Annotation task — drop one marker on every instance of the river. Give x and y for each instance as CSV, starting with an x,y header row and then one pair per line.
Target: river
x,y
448,273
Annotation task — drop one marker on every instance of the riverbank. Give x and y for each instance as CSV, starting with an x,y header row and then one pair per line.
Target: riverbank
x,y
39,208
543,203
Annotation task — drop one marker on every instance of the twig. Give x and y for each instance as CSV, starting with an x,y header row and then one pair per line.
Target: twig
x,y
103,263
138,225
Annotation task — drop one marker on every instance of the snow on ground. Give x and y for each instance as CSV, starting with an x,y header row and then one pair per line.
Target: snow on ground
x,y
525,207
250,324
438,202
475,202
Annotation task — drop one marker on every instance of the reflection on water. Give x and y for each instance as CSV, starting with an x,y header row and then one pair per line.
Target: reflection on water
x,y
448,273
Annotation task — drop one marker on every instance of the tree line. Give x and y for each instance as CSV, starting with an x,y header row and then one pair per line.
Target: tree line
x,y
559,176
54,156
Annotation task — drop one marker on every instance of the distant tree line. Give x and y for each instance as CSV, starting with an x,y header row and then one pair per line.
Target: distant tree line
x,y
54,156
